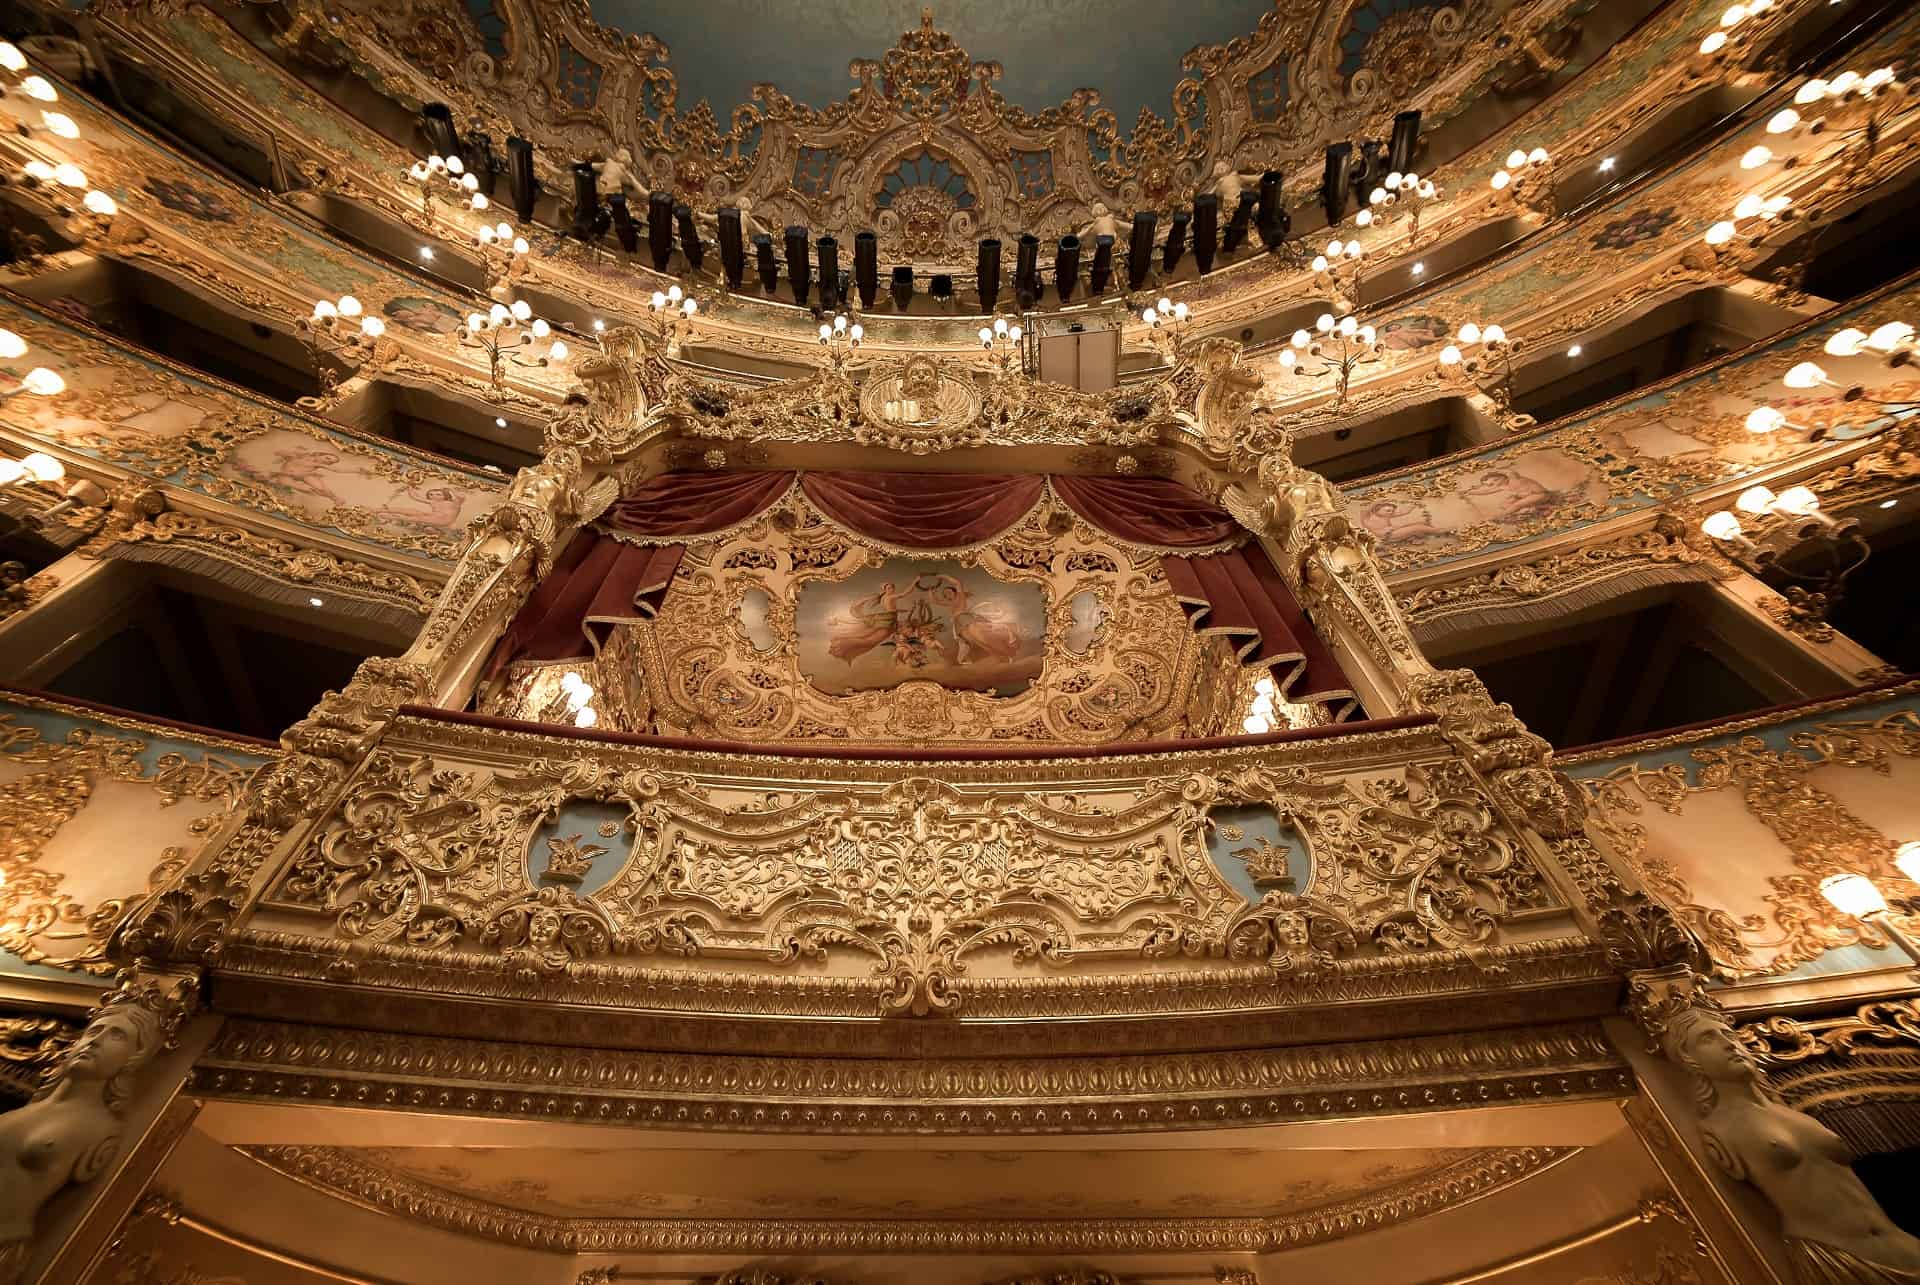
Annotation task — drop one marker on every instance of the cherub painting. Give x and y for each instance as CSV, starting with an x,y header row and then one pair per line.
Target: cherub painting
x,y
314,476
1513,491
938,621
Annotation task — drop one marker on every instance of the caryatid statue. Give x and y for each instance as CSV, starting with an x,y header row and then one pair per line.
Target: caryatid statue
x,y
1835,1232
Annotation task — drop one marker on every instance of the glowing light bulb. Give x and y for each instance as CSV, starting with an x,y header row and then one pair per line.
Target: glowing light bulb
x,y
60,124
1755,500
42,382
986,336
480,201
1783,120
325,311
1714,43
349,306
100,203
1449,356
436,163
1906,858
1516,158
38,170
689,307
559,351
475,321
484,236
1323,323
1720,233
858,332
521,310
1811,92
1575,350
1765,419
1500,180
1845,83
1890,336
1845,343
1301,339
372,327
1734,16
1749,206
586,717
540,328
1335,249
1288,358
68,174
1348,325
674,294
1797,500
1754,157
11,472
1494,335
40,88
1853,894
1805,375
520,245
840,322
12,345
455,165
1538,156
1721,526
826,331
11,58
1319,263
1470,333
498,313
43,468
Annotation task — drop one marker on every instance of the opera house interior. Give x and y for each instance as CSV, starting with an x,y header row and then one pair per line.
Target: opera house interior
x,y
1101,642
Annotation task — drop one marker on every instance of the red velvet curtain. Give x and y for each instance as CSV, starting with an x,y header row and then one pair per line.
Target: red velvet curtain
x,y
601,579
1239,593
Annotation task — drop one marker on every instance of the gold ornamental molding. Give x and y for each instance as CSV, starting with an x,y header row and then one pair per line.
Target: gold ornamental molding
x,y
973,1096
344,1176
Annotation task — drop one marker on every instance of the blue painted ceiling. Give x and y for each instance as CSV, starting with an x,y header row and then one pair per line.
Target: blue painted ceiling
x,y
1129,50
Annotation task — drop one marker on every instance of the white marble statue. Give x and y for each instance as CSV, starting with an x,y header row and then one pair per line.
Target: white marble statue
x,y
1836,1232
615,174
71,1132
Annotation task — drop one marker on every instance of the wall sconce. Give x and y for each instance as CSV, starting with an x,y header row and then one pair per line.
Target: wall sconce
x,y
1408,190
1490,370
673,312
1855,895
504,331
1167,324
1339,272
1861,104
1735,28
1797,543
1341,347
1528,180
444,174
840,339
1002,340
39,382
503,252
337,328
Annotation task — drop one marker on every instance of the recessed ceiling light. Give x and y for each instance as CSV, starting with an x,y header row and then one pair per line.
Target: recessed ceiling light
x,y
1887,504
499,422
1574,351
599,324
426,254
1606,166
315,602
1419,269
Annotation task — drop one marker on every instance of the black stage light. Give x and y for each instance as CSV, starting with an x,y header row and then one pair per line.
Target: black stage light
x,y
733,254
1140,249
1206,229
831,296
1100,272
660,230
1406,137
1335,179
1369,171
1242,218
1272,220
902,287
764,262
799,264
989,275
586,203
941,286
476,152
1026,272
690,244
866,267
1176,241
1066,266
624,227
436,121
520,178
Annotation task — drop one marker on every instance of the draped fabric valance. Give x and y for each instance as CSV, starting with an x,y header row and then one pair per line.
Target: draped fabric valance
x,y
619,572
